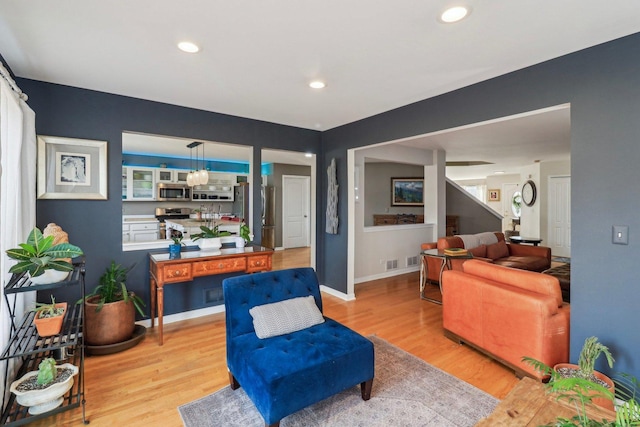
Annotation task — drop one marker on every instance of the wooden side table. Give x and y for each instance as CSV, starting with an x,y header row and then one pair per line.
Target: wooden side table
x,y
446,263
529,405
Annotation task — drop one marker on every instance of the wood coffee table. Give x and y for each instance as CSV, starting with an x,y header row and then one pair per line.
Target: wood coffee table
x,y
529,405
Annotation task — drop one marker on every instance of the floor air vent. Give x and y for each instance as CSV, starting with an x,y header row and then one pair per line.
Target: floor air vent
x,y
412,260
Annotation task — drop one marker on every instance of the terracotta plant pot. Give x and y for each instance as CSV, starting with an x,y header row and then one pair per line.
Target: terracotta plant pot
x,y
48,326
114,323
599,401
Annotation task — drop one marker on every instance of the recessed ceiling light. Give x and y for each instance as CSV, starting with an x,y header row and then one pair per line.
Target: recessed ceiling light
x,y
454,14
317,84
308,155
188,47
499,172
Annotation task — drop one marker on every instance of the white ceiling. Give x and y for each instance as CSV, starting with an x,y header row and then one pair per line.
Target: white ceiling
x,y
257,57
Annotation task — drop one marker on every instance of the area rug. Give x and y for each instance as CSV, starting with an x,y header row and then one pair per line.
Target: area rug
x,y
561,259
406,392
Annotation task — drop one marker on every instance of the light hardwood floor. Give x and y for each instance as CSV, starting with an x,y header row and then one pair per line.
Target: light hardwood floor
x,y
144,386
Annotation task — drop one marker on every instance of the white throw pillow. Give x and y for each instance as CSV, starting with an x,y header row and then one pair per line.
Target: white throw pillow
x,y
279,318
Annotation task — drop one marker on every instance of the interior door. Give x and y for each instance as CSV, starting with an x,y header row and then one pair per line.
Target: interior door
x,y
559,233
296,207
507,212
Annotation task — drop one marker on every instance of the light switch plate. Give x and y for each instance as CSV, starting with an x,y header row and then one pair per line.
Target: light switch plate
x,y
620,235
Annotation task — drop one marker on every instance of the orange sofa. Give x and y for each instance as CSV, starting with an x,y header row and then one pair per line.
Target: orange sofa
x,y
506,313
524,257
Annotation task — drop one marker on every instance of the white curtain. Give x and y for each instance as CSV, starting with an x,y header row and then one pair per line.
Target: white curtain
x,y
17,196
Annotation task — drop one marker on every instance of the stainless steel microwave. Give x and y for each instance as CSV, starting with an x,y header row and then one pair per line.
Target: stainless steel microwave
x,y
173,192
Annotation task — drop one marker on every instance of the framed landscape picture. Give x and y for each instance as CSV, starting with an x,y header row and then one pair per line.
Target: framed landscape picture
x,y
407,191
72,168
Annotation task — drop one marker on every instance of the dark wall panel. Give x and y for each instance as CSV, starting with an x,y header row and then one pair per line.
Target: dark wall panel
x,y
603,87
96,226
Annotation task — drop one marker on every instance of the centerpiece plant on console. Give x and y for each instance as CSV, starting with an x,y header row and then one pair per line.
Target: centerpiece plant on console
x,y
110,309
210,238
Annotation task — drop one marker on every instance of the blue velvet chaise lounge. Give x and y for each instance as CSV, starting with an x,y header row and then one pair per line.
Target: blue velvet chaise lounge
x,y
289,371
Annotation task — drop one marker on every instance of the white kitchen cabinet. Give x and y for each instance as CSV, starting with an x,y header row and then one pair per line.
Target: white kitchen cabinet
x,y
136,229
174,176
140,183
143,232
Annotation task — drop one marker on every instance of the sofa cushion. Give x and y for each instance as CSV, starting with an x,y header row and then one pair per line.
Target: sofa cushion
x,y
531,263
286,316
497,250
479,251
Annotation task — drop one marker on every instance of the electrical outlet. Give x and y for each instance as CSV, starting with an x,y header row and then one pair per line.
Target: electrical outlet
x,y
620,235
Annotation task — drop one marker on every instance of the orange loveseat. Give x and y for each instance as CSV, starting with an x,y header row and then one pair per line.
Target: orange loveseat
x,y
524,257
506,313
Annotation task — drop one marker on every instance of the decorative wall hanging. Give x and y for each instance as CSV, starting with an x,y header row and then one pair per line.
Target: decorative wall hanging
x,y
332,199
494,195
72,168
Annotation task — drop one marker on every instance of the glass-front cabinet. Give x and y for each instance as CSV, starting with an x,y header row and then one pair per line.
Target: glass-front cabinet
x,y
124,184
174,176
140,184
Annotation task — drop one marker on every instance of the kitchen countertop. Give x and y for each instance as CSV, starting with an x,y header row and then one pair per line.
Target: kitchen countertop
x,y
192,222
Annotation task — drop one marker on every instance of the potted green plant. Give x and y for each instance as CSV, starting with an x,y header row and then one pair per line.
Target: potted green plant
x,y
591,350
175,247
44,261
210,238
43,390
110,309
48,317
244,235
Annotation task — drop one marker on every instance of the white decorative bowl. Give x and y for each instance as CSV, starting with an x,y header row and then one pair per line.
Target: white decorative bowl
x,y
44,400
211,244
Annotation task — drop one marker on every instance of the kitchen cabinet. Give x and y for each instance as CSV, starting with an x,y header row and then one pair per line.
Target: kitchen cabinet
x,y
140,230
140,184
219,188
173,176
28,349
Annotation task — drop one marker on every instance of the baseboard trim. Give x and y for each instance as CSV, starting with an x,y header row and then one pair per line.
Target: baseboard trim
x,y
192,314
338,294
386,274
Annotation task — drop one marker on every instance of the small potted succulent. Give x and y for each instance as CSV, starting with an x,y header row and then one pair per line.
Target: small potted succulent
x,y
592,349
175,247
44,261
49,317
210,238
43,390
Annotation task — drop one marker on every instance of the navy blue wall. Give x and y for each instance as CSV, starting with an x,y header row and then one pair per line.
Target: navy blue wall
x,y
95,226
603,86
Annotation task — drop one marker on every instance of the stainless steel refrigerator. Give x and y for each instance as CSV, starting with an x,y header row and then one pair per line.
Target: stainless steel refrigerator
x,y
241,201
268,216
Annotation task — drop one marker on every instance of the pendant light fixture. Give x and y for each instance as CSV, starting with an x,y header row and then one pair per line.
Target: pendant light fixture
x,y
203,174
192,176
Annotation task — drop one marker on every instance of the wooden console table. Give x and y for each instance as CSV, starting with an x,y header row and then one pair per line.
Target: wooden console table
x,y
529,405
164,270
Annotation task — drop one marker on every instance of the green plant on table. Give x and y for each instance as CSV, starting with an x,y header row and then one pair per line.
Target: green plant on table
x,y
39,254
177,240
45,310
245,232
209,233
112,288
